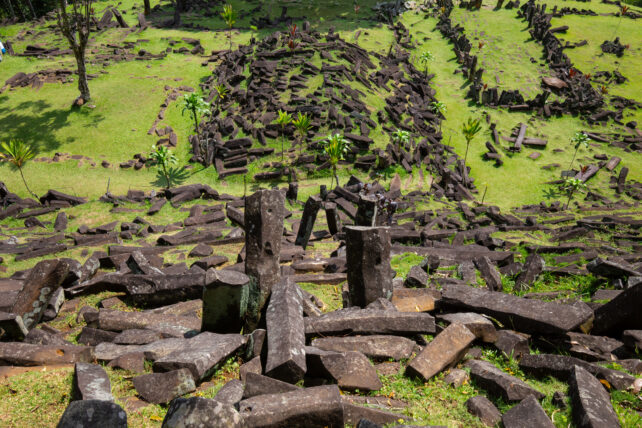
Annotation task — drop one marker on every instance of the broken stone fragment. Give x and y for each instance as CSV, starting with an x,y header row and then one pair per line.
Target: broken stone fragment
x,y
480,326
91,413
201,412
225,298
527,414
376,346
91,382
481,407
590,401
500,383
159,388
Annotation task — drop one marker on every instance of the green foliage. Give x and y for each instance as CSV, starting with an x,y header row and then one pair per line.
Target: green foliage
x,y
400,138
302,124
470,129
229,16
163,158
18,153
196,105
335,147
425,58
580,139
283,120
570,186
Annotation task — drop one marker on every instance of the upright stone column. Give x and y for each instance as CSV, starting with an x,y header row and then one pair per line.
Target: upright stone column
x,y
366,211
368,262
264,213
225,297
332,217
310,212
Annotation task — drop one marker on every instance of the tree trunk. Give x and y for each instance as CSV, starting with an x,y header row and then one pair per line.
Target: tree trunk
x,y
83,86
10,9
33,12
20,12
177,13
148,7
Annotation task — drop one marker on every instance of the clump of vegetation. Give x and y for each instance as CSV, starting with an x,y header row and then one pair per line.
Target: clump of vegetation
x,y
570,186
196,105
439,109
18,153
425,58
335,147
229,16
164,158
470,129
283,120
580,139
302,124
400,138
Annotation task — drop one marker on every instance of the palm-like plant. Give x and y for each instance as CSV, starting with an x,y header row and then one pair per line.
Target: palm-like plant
x,y
425,58
163,158
302,124
439,109
470,129
571,185
221,93
196,106
579,139
335,147
400,138
18,153
283,120
229,16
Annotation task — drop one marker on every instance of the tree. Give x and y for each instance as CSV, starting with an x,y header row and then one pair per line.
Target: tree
x,y
470,129
195,104
229,16
178,8
18,153
75,26
283,120
579,139
163,158
425,58
148,7
335,147
571,185
302,124
400,138
439,109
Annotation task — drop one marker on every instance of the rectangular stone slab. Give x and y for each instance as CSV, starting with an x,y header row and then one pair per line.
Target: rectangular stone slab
x,y
107,351
316,407
91,382
500,383
170,325
201,354
377,346
621,313
524,315
445,350
285,333
369,321
26,354
590,402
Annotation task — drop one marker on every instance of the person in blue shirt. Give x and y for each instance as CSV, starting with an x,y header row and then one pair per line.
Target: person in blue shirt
x,y
2,50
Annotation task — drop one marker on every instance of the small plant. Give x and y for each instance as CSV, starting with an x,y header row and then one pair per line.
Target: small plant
x,y
400,138
163,158
570,186
439,109
302,124
580,139
470,129
292,43
425,58
229,16
283,120
18,153
356,8
221,93
335,147
196,106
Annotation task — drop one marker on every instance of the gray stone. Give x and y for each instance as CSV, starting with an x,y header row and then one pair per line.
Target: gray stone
x,y
93,336
533,266
369,321
257,384
417,278
93,413
60,224
137,337
512,343
350,370
169,325
444,351
27,354
590,402
527,414
285,333
133,362
199,412
230,393
480,326
500,383
225,298
91,382
489,273
201,250
159,388
376,346
456,377
525,315
481,407
310,211
264,213
621,313
368,262
202,354
316,407
11,326
633,339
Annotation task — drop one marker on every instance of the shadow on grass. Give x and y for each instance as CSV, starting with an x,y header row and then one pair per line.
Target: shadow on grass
x,y
35,123
176,175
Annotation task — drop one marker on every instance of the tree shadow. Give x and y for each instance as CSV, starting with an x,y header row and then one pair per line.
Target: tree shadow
x,y
177,175
35,123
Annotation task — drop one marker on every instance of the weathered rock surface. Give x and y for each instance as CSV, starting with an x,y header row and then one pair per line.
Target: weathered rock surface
x,y
161,388
201,412
591,403
527,414
92,413
369,321
500,383
376,346
91,382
